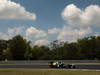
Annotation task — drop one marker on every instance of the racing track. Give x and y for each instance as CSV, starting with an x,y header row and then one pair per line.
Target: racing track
x,y
42,65
97,67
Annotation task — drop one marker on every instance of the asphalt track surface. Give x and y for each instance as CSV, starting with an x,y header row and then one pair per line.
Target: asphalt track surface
x,y
42,65
97,67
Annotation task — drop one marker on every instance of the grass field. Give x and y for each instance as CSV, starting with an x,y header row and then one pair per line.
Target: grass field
x,y
47,72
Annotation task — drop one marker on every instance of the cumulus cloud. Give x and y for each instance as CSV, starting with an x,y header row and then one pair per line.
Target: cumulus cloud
x,y
15,31
71,35
41,42
11,32
76,16
35,33
40,37
53,31
12,10
4,36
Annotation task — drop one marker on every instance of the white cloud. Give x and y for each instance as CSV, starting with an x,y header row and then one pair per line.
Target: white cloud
x,y
76,16
71,13
11,32
12,10
53,31
41,42
35,33
4,36
71,35
15,31
40,37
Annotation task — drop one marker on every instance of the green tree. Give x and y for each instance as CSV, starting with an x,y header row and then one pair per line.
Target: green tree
x,y
55,47
18,47
45,53
3,47
28,53
70,51
37,53
98,47
87,46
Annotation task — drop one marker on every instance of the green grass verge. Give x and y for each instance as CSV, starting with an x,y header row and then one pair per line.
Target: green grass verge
x,y
47,72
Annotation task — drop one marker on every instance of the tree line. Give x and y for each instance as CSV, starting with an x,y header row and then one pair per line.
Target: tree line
x,y
18,48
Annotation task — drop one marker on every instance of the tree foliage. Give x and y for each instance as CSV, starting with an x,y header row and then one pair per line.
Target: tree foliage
x,y
18,48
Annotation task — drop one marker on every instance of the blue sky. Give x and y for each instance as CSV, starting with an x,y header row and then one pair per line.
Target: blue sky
x,y
51,19
48,11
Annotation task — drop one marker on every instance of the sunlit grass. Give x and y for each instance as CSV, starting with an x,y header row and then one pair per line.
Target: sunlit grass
x,y
47,72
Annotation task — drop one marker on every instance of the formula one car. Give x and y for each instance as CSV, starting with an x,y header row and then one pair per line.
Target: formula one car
x,y
56,64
